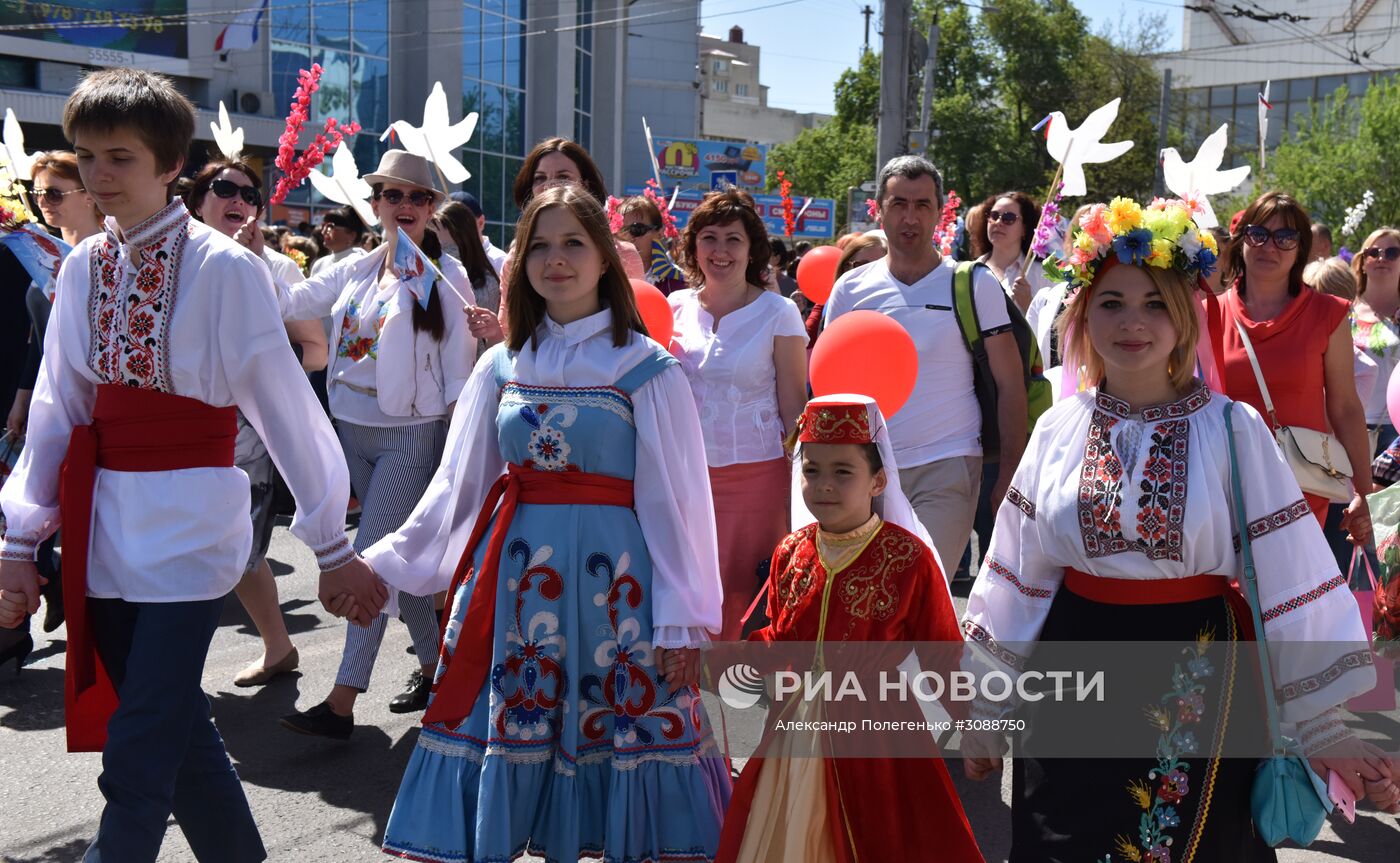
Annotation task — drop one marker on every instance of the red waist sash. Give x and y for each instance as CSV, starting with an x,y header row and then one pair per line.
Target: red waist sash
x,y
132,430
457,688
1161,591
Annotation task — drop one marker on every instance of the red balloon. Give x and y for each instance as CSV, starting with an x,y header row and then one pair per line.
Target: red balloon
x,y
816,272
869,354
655,311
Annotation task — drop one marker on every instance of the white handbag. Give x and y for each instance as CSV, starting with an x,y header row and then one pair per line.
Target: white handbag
x,y
1318,460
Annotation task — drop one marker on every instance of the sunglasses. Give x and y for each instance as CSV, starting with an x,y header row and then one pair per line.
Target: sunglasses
x,y
227,189
53,197
1285,239
1376,253
1004,218
394,197
639,230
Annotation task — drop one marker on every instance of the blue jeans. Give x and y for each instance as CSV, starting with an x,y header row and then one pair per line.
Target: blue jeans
x,y
163,755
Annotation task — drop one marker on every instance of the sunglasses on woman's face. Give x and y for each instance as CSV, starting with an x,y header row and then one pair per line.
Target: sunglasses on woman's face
x,y
1007,218
227,189
638,230
1285,239
53,197
1376,252
394,197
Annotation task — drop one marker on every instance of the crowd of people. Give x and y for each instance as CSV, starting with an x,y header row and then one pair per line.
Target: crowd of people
x,y
564,512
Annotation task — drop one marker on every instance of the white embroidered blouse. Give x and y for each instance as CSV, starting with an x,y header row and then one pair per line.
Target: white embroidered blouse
x,y
671,486
177,307
1147,496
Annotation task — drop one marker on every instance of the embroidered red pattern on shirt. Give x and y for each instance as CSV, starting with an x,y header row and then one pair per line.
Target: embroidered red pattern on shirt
x,y
1161,504
1295,511
1034,592
1301,600
868,591
131,327
983,637
1347,662
1021,502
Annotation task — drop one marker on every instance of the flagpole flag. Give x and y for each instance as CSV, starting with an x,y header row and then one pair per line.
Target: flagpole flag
x,y
1264,107
418,272
242,33
40,252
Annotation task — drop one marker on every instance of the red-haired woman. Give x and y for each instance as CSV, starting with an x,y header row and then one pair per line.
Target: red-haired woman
x,y
1301,338
743,349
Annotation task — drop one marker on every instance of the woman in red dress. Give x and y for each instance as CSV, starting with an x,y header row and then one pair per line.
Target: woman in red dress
x,y
1301,337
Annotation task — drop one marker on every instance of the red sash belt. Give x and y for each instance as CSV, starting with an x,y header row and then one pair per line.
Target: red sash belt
x,y
132,430
1161,591
456,691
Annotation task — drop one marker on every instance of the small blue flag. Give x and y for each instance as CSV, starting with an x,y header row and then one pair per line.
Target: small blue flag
x,y
415,269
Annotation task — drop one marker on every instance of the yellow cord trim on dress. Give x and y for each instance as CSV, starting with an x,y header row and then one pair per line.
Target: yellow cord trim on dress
x,y
831,573
1213,768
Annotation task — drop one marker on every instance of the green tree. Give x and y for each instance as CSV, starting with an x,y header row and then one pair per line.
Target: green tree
x,y
858,92
826,161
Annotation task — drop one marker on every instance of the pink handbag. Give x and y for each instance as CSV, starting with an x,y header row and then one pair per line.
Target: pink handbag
x,y
1382,697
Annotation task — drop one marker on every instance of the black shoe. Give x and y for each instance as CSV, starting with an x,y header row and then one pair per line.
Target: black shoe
x,y
415,697
53,600
18,650
320,721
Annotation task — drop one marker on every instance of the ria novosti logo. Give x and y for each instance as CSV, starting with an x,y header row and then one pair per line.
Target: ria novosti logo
x,y
740,686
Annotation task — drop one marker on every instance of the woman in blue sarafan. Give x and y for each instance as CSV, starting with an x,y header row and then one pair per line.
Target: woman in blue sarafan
x,y
571,516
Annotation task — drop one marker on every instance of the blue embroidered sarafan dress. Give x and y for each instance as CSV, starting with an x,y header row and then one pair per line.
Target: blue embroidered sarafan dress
x,y
574,745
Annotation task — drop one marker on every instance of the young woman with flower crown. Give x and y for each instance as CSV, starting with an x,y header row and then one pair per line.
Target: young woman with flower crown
x,y
1119,527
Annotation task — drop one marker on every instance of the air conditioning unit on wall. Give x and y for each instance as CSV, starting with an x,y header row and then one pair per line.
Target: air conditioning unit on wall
x,y
258,102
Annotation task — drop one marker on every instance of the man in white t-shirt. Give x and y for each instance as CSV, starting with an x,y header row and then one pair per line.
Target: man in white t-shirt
x,y
937,434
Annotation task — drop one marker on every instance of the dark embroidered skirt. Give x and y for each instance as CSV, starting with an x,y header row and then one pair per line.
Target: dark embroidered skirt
x,y
1183,804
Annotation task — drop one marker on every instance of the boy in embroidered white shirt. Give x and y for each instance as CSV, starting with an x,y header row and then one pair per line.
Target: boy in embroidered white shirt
x,y
159,339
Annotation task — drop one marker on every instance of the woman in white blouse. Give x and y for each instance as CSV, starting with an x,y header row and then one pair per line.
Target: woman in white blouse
x,y
1120,527
226,194
397,366
1001,236
570,517
744,351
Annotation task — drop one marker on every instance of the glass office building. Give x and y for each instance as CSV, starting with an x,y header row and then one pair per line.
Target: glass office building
x,y
493,85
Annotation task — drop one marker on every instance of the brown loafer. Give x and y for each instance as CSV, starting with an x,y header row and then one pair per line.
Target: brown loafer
x,y
257,675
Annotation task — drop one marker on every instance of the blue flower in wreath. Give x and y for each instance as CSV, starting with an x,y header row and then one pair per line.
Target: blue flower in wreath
x,y
1167,817
1134,247
1200,667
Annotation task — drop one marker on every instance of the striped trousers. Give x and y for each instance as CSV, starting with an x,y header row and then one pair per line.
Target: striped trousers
x,y
390,468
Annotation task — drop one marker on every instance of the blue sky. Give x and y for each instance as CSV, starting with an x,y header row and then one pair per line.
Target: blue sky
x,y
808,43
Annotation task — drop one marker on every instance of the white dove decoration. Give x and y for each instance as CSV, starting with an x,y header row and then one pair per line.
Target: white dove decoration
x,y
228,139
1083,145
18,162
1201,177
436,139
344,185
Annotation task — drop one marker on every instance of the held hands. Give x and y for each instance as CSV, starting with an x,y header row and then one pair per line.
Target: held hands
x,y
353,591
1366,770
679,666
19,591
250,235
485,325
1356,521
982,752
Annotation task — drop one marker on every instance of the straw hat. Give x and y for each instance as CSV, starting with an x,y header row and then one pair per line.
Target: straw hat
x,y
401,166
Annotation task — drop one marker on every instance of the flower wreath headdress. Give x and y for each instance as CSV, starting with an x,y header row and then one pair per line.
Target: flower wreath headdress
x,y
1161,235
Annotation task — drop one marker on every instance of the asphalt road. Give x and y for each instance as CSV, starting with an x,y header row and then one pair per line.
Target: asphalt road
x,y
318,800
